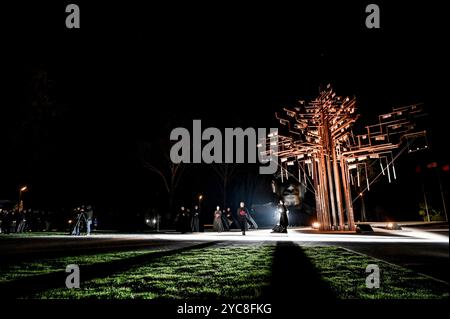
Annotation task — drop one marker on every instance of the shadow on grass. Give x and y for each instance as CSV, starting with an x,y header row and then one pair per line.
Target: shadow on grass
x,y
29,286
294,277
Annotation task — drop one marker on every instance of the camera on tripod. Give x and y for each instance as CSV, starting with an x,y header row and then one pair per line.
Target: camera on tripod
x,y
80,220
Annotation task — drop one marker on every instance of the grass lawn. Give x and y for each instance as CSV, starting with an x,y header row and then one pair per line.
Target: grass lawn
x,y
230,272
344,271
9,272
224,272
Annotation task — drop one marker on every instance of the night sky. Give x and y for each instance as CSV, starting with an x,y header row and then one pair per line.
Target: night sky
x,y
79,107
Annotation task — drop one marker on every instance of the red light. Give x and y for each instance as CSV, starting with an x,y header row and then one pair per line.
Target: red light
x,y
432,165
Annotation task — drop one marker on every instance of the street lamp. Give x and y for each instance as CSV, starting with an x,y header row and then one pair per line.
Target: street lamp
x,y
21,190
200,197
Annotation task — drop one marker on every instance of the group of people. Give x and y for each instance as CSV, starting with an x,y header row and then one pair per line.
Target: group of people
x,y
11,221
224,220
14,221
187,221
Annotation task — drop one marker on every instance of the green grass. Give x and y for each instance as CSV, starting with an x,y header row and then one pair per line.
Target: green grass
x,y
9,272
224,272
344,271
230,272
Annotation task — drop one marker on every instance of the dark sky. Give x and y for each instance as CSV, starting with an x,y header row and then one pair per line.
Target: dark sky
x,y
134,71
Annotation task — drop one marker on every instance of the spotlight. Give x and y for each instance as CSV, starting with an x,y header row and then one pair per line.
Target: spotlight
x,y
316,225
393,226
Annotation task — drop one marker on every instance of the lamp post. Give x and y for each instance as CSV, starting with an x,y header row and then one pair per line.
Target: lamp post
x,y
21,190
200,197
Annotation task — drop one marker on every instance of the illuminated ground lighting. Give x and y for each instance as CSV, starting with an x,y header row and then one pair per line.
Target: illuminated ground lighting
x,y
315,225
407,235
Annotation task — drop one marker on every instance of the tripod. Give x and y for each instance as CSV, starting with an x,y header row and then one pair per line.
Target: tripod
x,y
81,217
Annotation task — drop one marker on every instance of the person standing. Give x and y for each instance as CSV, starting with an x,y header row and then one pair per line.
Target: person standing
x,y
181,220
229,217
188,221
251,220
195,223
242,214
282,225
226,225
217,224
21,219
89,216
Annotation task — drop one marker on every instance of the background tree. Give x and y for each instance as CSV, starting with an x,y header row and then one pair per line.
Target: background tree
x,y
156,159
225,172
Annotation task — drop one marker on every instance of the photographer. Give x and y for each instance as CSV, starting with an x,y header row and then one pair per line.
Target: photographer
x,y
89,216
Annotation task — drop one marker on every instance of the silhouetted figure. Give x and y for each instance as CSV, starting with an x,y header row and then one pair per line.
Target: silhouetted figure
x,y
89,217
195,221
188,221
182,220
282,225
225,223
251,221
21,221
229,217
5,221
232,221
217,224
242,213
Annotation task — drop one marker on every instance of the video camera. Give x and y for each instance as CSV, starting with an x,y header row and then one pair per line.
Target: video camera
x,y
80,220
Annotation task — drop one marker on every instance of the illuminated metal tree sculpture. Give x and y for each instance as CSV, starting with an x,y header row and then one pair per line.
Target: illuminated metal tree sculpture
x,y
316,145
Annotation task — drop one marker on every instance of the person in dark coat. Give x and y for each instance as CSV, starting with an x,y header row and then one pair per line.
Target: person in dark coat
x,y
188,221
251,221
242,213
225,223
217,224
282,225
195,222
181,220
230,218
